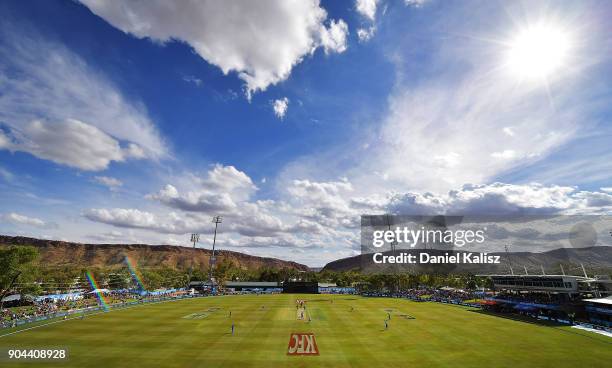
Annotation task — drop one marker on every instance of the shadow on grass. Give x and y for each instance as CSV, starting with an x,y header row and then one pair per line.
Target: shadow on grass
x,y
519,318
544,323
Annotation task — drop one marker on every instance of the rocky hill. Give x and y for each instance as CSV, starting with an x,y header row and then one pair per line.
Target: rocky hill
x,y
60,253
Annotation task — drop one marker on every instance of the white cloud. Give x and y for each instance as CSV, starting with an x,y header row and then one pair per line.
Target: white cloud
x,y
220,191
447,160
415,3
172,223
326,215
122,217
18,219
333,204
229,179
327,203
508,131
250,221
51,89
503,199
504,155
70,142
319,192
260,40
226,191
441,130
333,39
5,142
195,201
191,79
367,8
280,107
114,236
284,241
254,219
469,121
4,173
111,183
365,34
606,189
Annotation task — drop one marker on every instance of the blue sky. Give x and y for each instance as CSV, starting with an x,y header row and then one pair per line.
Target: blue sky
x,y
291,119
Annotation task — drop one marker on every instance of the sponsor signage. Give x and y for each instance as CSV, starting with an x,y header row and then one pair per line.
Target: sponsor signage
x,y
302,343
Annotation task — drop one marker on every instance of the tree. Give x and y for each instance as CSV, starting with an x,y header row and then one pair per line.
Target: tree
x,y
119,279
17,266
151,278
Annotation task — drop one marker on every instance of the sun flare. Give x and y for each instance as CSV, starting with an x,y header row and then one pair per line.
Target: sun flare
x,y
538,51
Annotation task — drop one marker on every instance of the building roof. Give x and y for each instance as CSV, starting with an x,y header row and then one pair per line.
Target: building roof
x,y
11,298
253,284
607,300
579,278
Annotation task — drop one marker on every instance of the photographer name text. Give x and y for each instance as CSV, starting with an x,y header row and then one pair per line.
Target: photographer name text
x,y
426,258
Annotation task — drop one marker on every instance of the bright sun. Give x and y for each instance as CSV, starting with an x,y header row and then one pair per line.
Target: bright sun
x,y
538,51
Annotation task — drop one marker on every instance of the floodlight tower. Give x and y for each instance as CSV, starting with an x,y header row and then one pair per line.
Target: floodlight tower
x,y
508,258
216,220
194,239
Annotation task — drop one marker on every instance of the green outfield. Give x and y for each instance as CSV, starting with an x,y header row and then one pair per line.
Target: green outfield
x,y
349,332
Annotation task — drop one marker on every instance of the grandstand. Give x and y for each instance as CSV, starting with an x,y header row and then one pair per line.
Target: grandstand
x,y
265,286
597,286
561,298
253,286
332,288
205,286
599,311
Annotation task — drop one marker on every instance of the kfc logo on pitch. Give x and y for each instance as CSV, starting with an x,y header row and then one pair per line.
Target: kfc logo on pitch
x,y
302,344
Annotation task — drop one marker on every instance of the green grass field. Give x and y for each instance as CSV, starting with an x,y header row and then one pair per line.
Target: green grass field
x,y
197,333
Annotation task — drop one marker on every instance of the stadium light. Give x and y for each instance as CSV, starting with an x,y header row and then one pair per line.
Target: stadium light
x,y
508,258
194,239
216,220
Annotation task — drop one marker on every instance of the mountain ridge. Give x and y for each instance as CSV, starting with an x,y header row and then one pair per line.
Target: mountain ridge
x,y
64,253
